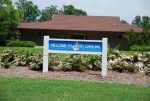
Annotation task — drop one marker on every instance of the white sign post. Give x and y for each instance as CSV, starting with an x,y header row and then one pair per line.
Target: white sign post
x,y
75,47
45,54
104,57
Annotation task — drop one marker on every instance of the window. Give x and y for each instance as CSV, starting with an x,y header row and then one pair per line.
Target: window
x,y
44,34
120,37
39,34
58,35
77,36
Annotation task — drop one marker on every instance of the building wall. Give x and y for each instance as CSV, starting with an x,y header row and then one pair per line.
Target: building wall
x,y
31,35
113,41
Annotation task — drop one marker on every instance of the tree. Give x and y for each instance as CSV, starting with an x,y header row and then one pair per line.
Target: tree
x,y
9,20
143,22
30,11
123,21
131,37
137,21
48,12
71,10
142,38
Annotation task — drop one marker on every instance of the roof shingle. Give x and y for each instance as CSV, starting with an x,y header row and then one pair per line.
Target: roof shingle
x,y
82,23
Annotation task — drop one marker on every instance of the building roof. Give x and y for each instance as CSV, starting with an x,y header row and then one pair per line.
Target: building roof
x,y
82,23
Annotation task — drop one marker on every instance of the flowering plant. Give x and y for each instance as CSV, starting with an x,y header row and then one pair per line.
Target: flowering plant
x,y
74,62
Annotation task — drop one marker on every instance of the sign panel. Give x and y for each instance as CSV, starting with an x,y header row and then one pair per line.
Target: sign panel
x,y
75,46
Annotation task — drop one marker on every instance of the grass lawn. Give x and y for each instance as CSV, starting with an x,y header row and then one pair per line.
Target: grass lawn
x,y
23,50
37,49
23,89
128,52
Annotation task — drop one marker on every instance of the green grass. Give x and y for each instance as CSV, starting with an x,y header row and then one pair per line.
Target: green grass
x,y
38,46
23,89
128,52
23,50
37,49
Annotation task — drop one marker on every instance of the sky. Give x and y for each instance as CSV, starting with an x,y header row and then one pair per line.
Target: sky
x,y
125,9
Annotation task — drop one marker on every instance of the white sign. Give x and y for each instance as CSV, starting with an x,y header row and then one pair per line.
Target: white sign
x,y
75,47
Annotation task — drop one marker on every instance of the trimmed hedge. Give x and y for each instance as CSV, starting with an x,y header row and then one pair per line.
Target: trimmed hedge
x,y
21,44
140,48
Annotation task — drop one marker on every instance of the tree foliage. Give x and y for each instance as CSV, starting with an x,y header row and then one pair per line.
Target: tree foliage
x,y
27,12
9,20
137,21
30,11
71,10
48,12
142,38
143,22
123,21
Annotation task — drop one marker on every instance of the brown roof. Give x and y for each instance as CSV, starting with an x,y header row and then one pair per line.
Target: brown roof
x,y
82,23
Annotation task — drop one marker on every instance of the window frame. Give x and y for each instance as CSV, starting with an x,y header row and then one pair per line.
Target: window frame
x,y
119,36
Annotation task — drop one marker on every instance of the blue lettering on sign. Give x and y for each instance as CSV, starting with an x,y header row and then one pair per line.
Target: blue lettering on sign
x,y
75,46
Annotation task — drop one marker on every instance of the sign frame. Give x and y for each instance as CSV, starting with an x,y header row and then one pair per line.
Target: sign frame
x,y
46,51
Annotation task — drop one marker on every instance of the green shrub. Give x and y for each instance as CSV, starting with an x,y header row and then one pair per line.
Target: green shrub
x,y
21,44
7,57
116,61
120,62
140,48
74,62
36,61
134,46
111,50
95,62
54,62
146,48
7,64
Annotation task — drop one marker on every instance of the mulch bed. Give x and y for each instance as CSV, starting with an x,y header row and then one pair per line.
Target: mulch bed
x,y
88,75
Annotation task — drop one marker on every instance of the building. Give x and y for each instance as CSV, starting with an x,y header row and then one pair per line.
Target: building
x,y
79,27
